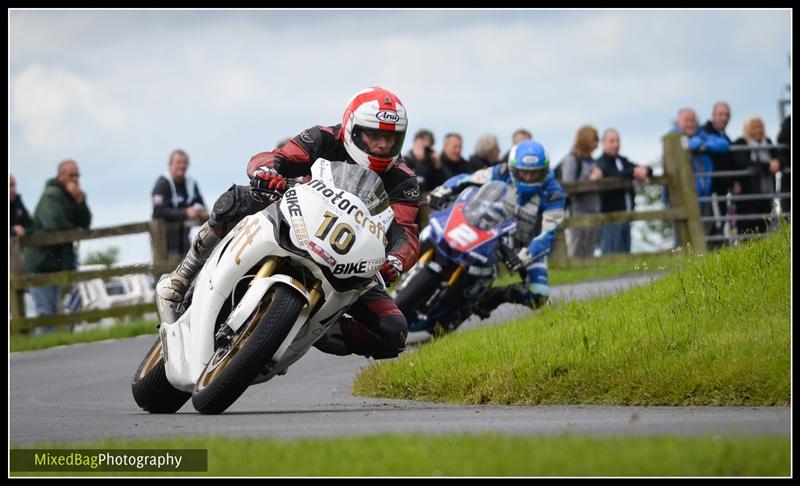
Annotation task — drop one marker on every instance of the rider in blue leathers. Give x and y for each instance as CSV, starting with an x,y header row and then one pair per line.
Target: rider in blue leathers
x,y
537,193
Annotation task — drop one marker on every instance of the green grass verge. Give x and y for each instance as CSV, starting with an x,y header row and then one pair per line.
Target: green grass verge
x,y
715,332
118,331
640,263
476,455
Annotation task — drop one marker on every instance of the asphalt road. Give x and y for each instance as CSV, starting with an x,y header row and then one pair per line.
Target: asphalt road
x,y
82,393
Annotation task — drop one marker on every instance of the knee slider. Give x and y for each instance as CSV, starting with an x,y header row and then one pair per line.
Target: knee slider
x,y
394,330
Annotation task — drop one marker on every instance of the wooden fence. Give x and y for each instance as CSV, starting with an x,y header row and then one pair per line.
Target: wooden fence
x,y
20,282
683,209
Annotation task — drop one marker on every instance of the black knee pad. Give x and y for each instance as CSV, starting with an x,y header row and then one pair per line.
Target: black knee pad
x,y
225,206
233,206
394,330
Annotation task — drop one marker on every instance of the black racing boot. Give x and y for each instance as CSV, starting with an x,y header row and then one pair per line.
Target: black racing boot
x,y
171,288
490,300
513,294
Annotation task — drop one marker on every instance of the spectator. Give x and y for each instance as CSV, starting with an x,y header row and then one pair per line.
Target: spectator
x,y
425,162
176,198
518,136
785,157
764,164
423,142
578,166
20,220
701,144
616,237
723,161
62,207
487,153
452,161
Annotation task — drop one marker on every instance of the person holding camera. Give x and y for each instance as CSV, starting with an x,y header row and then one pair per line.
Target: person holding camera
x,y
425,162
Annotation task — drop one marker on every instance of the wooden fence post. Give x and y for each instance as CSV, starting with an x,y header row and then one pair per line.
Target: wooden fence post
x,y
682,192
558,257
158,242
17,296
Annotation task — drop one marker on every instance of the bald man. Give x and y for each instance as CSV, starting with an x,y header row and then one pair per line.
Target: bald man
x,y
62,207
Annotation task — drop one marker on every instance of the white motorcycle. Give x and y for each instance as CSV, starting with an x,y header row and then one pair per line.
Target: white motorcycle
x,y
269,290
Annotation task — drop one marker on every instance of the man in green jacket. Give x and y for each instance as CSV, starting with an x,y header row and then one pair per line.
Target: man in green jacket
x,y
62,207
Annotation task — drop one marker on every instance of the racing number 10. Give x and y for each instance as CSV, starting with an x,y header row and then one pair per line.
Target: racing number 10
x,y
343,236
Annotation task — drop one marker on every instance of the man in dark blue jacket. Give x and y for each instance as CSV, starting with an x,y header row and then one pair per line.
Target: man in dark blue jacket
x,y
616,238
702,144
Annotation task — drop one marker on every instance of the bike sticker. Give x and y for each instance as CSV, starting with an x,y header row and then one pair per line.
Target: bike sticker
x,y
250,232
461,235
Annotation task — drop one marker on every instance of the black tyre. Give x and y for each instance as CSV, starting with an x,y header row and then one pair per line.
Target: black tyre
x,y
416,291
150,387
233,368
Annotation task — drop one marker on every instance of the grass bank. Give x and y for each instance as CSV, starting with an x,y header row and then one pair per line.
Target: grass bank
x,y
713,332
118,331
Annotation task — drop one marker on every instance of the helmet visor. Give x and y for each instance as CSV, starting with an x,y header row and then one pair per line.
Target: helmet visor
x,y
529,176
377,142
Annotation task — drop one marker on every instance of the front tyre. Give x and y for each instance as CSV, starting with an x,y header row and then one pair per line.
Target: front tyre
x,y
233,367
421,284
151,389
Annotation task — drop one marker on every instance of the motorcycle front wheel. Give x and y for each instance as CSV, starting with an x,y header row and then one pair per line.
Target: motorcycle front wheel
x,y
233,367
416,291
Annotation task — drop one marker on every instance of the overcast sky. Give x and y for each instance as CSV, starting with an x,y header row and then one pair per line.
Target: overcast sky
x,y
117,91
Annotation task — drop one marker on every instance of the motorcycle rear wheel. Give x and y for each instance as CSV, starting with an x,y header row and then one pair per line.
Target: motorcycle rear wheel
x,y
151,389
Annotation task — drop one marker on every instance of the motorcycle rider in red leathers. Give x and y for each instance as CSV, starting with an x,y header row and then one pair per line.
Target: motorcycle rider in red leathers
x,y
371,134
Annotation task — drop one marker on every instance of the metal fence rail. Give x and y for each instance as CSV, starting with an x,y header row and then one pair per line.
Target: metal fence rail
x,y
746,197
738,236
729,219
744,217
750,148
735,173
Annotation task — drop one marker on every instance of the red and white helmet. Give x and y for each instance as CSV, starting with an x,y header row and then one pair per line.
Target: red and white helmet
x,y
375,112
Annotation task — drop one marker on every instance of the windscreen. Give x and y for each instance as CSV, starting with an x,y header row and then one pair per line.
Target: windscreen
x,y
363,183
487,210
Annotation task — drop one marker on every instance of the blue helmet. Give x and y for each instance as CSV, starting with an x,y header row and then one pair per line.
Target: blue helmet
x,y
529,165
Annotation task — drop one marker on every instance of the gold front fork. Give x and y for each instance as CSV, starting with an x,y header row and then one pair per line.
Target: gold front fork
x,y
427,256
268,268
455,275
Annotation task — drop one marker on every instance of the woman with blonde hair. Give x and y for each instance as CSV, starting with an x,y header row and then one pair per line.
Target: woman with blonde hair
x,y
762,160
577,166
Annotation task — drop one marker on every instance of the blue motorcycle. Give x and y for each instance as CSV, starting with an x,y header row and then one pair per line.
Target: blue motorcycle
x,y
460,249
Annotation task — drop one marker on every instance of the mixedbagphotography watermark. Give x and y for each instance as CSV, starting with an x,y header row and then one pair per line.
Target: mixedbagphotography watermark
x,y
163,460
